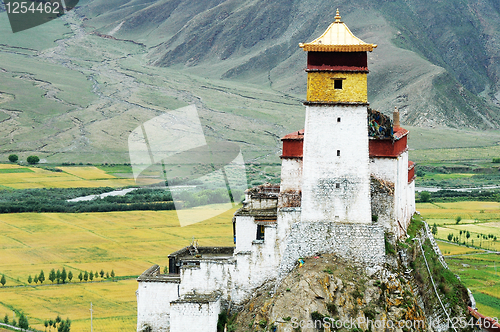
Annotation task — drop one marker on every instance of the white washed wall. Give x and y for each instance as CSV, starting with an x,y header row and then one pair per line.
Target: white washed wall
x,y
323,169
212,275
153,304
194,317
291,174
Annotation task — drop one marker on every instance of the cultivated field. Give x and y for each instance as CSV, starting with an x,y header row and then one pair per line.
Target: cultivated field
x,y
477,268
24,177
126,242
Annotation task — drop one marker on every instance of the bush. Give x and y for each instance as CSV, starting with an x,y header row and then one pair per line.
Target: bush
x,y
496,160
425,196
13,158
33,160
389,248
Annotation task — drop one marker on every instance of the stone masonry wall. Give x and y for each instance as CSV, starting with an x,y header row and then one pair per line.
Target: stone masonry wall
x,y
360,242
194,317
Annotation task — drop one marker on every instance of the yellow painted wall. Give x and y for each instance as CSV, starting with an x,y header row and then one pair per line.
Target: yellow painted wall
x,y
320,87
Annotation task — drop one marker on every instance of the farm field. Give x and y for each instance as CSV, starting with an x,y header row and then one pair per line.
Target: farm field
x,y
478,268
24,177
126,242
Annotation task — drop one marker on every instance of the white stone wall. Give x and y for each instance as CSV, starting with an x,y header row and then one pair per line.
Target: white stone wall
x,y
210,276
194,317
323,170
246,232
256,266
260,264
411,199
398,215
291,174
359,242
384,168
153,304
401,194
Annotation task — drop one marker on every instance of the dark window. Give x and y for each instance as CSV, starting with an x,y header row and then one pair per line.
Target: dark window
x,y
260,232
338,119
337,185
338,84
234,232
338,153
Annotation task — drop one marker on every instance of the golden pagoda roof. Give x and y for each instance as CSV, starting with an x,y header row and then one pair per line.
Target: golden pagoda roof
x,y
337,38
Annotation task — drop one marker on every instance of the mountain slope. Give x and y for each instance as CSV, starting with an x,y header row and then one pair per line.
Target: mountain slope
x,y
448,63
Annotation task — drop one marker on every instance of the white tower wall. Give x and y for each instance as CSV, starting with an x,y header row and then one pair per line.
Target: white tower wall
x,y
336,187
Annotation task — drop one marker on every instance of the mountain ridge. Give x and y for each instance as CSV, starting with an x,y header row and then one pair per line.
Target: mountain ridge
x,y
257,41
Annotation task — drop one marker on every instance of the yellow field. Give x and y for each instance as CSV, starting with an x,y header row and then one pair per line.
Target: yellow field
x,y
453,249
126,242
71,177
477,270
477,218
114,304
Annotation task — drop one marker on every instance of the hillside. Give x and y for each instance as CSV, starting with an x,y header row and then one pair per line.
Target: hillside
x,y
73,90
438,71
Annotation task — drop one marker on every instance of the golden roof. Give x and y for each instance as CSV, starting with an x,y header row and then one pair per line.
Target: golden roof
x,y
337,38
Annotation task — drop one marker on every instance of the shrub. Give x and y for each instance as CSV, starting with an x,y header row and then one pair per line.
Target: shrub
x,y
425,196
370,313
13,158
389,248
33,160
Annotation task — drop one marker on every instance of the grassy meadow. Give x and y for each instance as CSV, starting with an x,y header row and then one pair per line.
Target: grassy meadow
x,y
126,242
479,265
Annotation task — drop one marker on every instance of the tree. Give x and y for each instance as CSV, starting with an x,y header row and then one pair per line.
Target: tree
x,y
450,237
467,235
35,279
70,276
458,219
30,280
112,273
33,160
46,324
6,319
50,322
3,281
434,229
63,275
52,275
91,275
107,275
14,323
58,275
41,277
64,326
86,276
102,273
23,322
58,319
96,275
80,276
425,196
13,158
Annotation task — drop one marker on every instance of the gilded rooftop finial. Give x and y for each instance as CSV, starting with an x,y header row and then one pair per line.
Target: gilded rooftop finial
x,y
337,17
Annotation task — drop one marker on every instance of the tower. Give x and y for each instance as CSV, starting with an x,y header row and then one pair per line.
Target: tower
x,y
336,175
